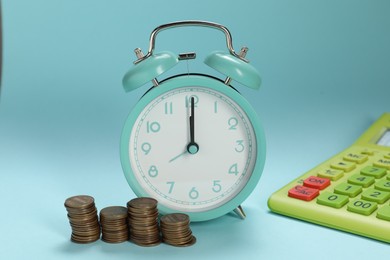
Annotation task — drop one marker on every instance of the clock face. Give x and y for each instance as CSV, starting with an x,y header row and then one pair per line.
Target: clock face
x,y
166,167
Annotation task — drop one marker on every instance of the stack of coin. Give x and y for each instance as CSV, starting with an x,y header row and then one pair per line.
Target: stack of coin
x,y
143,223
83,219
114,224
175,230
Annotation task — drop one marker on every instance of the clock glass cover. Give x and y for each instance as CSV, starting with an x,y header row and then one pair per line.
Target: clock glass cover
x,y
183,177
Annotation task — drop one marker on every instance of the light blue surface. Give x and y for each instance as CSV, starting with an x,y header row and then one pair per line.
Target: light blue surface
x,y
325,70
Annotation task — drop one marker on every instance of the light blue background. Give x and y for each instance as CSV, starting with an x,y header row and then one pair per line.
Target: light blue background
x,y
325,68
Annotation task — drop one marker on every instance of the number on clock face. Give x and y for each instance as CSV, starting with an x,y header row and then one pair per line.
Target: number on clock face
x,y
192,181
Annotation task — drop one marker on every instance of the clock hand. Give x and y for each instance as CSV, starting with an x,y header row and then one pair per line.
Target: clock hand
x,y
192,147
178,156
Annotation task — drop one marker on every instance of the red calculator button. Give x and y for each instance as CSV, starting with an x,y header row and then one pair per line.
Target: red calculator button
x,y
316,182
303,193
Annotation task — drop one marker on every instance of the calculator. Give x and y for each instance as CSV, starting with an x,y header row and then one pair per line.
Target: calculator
x,y
348,192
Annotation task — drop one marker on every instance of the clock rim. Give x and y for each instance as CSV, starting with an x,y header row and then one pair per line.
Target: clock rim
x,y
214,84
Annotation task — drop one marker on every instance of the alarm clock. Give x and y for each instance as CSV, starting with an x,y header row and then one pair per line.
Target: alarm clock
x,y
193,142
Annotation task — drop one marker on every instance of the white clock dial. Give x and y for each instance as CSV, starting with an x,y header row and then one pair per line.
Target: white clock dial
x,y
198,180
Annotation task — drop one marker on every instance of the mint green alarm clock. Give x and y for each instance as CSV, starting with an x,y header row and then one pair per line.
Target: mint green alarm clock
x,y
192,141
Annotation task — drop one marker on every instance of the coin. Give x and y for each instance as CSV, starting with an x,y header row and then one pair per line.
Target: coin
x,y
143,222
175,230
142,203
114,213
83,219
147,243
190,243
114,224
176,219
79,201
137,222
84,240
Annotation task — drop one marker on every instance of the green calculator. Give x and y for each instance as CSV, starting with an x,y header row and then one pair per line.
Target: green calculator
x,y
349,192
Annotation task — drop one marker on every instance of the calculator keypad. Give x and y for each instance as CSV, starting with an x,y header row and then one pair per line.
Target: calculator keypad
x,y
356,197
362,191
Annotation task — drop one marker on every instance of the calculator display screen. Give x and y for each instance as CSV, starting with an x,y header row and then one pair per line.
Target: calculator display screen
x,y
385,139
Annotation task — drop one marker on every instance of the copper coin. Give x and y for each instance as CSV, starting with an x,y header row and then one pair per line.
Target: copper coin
x,y
114,241
175,230
175,219
84,225
190,243
145,203
113,212
113,224
113,227
86,208
140,213
79,202
91,233
146,244
80,219
84,240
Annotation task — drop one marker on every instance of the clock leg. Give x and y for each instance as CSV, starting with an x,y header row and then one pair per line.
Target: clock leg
x,y
240,212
